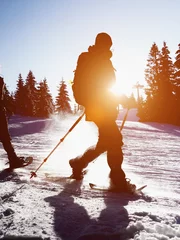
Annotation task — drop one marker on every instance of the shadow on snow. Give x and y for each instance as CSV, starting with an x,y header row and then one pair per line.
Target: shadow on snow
x,y
19,126
71,220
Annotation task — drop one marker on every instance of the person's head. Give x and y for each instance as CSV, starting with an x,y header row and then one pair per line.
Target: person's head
x,y
103,40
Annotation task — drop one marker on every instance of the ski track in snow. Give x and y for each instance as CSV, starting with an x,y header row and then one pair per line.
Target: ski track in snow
x,y
52,207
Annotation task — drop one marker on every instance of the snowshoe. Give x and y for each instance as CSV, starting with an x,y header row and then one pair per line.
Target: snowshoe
x,y
131,188
20,162
78,175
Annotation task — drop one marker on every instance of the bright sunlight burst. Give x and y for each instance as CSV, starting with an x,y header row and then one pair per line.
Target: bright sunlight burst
x,y
122,88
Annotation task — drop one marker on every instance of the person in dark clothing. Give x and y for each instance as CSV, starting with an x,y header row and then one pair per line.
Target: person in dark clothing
x,y
14,160
94,76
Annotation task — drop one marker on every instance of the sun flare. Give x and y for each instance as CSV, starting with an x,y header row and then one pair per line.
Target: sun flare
x,y
120,88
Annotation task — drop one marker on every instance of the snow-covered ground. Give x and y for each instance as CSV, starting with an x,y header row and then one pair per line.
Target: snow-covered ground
x,y
52,207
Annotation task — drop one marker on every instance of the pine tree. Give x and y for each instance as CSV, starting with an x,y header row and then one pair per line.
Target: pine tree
x,y
152,77
45,105
62,100
31,95
177,85
8,102
177,67
20,96
160,100
132,103
167,99
142,114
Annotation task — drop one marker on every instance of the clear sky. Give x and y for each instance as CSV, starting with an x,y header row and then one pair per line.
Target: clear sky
x,y
46,36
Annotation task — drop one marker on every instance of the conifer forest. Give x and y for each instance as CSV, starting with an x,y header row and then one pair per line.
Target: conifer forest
x,y
160,102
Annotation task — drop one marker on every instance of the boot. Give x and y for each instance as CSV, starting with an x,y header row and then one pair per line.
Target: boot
x,y
77,168
118,180
14,160
17,162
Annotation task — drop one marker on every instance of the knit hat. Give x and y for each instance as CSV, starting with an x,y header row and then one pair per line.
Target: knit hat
x,y
103,40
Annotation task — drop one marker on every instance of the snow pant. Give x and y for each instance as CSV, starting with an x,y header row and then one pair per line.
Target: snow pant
x,y
110,141
8,147
5,137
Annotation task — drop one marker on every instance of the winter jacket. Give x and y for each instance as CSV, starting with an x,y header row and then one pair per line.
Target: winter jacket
x,y
94,76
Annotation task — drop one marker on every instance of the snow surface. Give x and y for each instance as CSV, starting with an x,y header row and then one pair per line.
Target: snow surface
x,y
52,207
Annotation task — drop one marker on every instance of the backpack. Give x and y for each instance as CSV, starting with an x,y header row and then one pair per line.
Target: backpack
x,y
93,75
81,78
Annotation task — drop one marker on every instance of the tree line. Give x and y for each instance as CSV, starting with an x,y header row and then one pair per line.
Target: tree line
x,y
34,99
162,101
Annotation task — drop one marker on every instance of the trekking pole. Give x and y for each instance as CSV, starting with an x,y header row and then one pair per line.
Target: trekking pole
x,y
33,174
124,120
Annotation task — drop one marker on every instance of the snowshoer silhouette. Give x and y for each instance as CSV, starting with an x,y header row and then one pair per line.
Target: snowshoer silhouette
x,y
93,78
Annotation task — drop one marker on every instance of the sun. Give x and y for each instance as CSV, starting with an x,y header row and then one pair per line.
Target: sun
x,y
122,88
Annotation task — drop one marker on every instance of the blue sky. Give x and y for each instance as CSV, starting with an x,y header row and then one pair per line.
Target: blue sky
x,y
46,36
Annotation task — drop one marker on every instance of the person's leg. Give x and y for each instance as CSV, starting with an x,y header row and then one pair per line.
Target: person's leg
x,y
8,147
82,161
14,160
115,156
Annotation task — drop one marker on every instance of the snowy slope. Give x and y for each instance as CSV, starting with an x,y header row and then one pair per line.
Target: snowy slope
x,y
51,207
